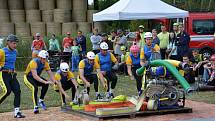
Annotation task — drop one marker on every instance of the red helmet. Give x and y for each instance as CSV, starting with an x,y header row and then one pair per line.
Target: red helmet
x,y
134,48
213,57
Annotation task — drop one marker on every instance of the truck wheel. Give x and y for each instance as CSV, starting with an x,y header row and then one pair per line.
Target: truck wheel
x,y
206,52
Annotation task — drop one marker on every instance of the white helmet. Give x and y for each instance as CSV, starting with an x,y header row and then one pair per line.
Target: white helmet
x,y
104,46
64,67
43,54
147,35
91,55
37,34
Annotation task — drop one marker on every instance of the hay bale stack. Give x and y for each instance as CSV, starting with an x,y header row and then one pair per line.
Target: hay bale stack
x,y
79,11
17,16
69,27
47,15
31,4
6,29
79,15
85,27
53,28
38,27
90,15
33,16
61,15
22,29
16,4
46,4
4,15
3,4
79,4
64,4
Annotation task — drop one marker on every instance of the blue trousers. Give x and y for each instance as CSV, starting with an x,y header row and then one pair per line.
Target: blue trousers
x,y
75,61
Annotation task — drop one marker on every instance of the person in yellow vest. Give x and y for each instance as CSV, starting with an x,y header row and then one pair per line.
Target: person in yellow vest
x,y
67,81
142,33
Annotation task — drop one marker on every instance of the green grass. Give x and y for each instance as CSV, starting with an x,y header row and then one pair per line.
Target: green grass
x,y
53,98
124,86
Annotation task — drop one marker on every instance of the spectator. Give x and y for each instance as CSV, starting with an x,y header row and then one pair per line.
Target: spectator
x,y
172,48
81,40
1,42
112,36
155,37
67,42
122,64
75,57
37,45
54,44
164,41
96,39
188,75
183,40
175,28
120,40
209,72
198,62
137,39
142,33
110,44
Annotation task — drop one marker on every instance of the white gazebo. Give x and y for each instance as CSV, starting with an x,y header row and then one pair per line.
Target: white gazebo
x,y
139,9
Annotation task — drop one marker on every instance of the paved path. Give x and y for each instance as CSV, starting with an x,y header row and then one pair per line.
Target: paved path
x,y
201,112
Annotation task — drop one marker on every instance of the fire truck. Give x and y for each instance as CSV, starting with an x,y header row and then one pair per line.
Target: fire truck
x,y
201,27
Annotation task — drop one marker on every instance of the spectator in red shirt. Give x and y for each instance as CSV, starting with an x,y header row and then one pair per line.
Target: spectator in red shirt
x,y
37,45
67,42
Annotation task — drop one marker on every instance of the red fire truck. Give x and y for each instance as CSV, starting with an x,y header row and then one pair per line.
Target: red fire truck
x,y
201,27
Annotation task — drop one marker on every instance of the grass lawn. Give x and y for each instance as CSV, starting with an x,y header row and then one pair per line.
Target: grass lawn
x,y
124,86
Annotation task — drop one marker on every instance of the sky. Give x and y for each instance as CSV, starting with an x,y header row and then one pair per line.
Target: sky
x,y
90,2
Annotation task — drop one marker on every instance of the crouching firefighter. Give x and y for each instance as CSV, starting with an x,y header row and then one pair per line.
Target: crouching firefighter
x,y
33,80
67,80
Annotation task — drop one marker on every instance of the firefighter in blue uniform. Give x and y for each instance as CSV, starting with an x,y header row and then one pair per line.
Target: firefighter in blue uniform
x,y
8,80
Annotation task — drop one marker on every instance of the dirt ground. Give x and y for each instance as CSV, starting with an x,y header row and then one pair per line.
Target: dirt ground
x,y
200,111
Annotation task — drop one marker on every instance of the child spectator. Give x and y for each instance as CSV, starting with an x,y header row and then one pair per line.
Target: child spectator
x,y
75,57
122,64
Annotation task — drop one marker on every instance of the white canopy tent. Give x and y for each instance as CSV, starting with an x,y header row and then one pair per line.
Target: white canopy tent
x,y
139,9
